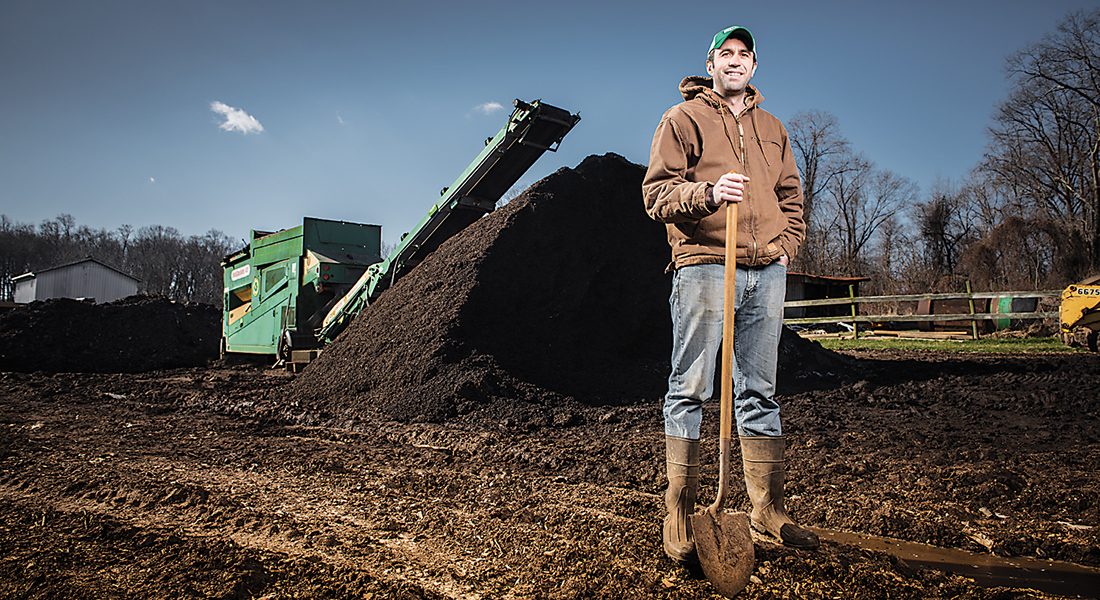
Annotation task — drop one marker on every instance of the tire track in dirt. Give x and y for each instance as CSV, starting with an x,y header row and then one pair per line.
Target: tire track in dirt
x,y
471,509
126,560
185,507
144,499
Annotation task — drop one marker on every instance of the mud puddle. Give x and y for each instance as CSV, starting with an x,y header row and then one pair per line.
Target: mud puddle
x,y
1051,576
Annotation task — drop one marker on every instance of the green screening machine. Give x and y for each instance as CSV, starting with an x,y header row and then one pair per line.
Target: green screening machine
x,y
290,292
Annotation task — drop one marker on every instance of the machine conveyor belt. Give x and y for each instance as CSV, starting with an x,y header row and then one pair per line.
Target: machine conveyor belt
x,y
532,129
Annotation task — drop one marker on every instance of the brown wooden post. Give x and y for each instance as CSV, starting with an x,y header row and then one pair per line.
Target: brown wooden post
x,y
852,296
973,323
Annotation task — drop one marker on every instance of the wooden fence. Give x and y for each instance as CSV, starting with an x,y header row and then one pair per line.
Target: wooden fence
x,y
855,318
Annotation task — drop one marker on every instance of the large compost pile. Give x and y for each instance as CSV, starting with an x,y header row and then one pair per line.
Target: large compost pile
x,y
558,297
131,335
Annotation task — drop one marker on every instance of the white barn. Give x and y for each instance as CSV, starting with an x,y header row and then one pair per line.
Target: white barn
x,y
85,278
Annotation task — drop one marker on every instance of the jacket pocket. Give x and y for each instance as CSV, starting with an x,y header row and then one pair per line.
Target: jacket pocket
x,y
773,152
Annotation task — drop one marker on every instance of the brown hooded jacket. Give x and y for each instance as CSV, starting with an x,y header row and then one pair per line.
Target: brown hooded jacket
x,y
699,140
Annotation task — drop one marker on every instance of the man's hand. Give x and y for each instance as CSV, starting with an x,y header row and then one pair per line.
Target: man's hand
x,y
729,188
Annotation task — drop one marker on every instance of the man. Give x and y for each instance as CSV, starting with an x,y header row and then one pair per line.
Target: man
x,y
717,147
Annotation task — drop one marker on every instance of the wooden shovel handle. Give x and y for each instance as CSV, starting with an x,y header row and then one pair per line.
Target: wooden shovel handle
x,y
725,425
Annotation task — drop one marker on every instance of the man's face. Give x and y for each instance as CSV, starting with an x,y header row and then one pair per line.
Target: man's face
x,y
732,68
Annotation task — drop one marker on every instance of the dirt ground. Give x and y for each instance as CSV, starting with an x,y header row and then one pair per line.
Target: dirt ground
x,y
197,483
491,428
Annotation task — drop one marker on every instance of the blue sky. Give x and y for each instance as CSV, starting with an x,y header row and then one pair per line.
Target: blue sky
x,y
367,109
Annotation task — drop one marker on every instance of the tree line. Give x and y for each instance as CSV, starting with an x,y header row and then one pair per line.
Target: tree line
x,y
1027,216
167,263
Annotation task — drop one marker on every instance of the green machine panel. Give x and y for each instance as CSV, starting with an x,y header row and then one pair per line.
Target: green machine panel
x,y
277,287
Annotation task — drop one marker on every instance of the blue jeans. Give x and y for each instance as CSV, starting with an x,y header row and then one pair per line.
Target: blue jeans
x,y
696,302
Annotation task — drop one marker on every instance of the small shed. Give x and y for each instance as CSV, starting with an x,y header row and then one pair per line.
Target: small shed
x,y
85,278
804,286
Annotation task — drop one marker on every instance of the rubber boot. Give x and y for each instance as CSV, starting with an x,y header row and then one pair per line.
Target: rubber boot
x,y
682,463
764,478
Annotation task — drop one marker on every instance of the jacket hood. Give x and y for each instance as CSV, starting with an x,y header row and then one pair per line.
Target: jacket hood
x,y
703,88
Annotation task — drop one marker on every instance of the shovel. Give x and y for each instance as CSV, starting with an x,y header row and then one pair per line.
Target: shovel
x,y
722,540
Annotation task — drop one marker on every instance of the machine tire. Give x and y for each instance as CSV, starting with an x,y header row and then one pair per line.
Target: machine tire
x,y
1092,341
221,349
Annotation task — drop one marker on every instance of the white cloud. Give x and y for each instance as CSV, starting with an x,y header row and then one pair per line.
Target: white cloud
x,y
236,119
489,108
152,180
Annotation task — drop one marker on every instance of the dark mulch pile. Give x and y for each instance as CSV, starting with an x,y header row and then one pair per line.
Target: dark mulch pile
x,y
131,335
558,297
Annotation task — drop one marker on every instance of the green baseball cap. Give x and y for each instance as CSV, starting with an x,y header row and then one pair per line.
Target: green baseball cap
x,y
735,31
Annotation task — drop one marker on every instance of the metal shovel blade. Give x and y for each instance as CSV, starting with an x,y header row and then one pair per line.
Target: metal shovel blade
x,y
723,543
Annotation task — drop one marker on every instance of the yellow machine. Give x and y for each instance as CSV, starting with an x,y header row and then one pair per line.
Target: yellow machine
x,y
1080,313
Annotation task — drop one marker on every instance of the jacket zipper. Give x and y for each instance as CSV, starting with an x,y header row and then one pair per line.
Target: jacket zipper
x,y
748,196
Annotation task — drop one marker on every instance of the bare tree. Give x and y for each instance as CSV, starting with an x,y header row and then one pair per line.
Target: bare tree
x,y
158,268
889,258
855,205
988,202
1068,60
1045,142
18,244
124,233
820,151
947,223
